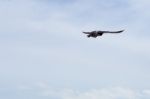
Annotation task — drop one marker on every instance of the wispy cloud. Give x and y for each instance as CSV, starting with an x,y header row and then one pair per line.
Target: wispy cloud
x,y
104,93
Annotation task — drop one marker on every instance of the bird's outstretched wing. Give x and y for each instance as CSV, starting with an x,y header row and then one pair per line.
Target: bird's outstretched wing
x,y
113,31
86,32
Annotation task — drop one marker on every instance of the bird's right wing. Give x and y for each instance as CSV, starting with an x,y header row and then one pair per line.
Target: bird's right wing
x,y
113,31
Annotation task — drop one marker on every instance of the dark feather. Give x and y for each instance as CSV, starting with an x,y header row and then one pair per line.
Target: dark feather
x,y
86,32
113,31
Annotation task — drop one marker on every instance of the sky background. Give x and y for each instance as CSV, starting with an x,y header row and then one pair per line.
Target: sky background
x,y
45,55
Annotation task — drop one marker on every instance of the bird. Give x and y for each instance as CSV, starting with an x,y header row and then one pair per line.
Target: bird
x,y
95,34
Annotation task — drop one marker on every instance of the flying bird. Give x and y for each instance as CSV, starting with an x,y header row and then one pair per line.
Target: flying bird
x,y
94,34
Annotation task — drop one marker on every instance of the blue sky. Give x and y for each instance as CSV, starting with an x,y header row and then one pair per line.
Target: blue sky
x,y
44,54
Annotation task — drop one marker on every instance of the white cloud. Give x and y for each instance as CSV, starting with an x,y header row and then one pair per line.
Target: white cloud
x,y
146,92
103,93
112,93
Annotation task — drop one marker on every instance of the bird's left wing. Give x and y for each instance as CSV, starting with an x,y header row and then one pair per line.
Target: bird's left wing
x,y
86,32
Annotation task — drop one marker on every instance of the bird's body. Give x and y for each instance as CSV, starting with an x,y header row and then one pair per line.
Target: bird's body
x,y
99,33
